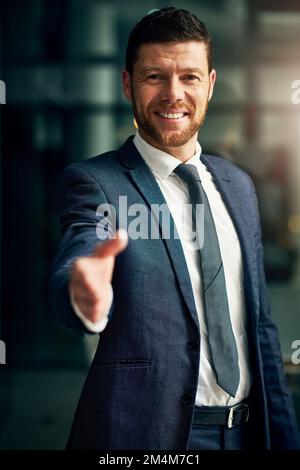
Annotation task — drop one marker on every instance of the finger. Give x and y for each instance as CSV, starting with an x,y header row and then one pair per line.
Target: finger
x,y
89,294
113,246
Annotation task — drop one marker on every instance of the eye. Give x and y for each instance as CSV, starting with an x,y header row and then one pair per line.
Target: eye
x,y
191,78
153,77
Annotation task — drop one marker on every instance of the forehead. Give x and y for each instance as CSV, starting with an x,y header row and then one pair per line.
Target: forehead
x,y
173,55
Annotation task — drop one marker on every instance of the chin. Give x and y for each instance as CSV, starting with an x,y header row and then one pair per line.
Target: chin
x,y
173,142
175,139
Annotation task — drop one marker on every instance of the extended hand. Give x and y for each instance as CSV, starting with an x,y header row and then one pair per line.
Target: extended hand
x,y
91,276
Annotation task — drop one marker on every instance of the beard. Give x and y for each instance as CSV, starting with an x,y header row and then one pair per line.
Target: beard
x,y
168,137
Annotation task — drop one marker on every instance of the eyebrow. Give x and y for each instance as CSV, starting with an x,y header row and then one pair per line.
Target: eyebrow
x,y
150,69
194,70
188,69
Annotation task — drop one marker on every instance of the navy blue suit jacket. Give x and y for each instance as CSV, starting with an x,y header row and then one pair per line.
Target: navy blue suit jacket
x,y
141,387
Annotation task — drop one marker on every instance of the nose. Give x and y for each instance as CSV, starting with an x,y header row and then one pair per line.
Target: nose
x,y
173,90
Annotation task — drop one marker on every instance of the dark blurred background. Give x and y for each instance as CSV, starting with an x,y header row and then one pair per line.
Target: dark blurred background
x,y
61,61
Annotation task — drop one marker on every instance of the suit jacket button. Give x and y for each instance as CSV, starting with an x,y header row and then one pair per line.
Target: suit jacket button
x,y
193,345
187,398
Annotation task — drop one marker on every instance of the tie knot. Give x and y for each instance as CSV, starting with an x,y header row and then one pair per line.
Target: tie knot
x,y
187,173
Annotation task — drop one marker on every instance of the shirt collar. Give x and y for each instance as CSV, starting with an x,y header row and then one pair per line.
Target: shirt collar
x,y
162,163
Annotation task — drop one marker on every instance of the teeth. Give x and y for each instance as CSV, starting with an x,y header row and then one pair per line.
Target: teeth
x,y
171,116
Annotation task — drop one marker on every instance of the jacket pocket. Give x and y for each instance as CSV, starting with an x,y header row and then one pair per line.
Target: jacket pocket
x,y
122,363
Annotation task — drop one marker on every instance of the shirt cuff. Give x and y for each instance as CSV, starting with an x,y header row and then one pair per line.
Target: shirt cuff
x,y
99,326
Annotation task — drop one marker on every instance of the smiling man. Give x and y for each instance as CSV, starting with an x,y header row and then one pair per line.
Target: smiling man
x,y
188,356
170,86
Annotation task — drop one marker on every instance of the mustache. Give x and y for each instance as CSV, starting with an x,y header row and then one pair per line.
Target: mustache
x,y
174,108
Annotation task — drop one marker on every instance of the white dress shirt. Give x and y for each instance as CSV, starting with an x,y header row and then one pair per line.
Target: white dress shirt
x,y
176,195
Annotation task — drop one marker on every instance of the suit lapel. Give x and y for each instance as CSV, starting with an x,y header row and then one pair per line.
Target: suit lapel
x,y
146,183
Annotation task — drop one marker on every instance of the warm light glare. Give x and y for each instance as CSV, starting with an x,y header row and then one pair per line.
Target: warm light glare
x,y
294,224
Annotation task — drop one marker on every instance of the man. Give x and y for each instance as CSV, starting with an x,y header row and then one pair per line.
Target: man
x,y
188,356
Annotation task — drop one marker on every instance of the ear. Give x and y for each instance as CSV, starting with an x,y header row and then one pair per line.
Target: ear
x,y
212,80
126,80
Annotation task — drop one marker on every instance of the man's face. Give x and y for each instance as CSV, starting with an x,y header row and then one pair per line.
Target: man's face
x,y
170,88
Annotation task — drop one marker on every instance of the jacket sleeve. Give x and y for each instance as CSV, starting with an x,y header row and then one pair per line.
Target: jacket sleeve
x,y
79,197
282,418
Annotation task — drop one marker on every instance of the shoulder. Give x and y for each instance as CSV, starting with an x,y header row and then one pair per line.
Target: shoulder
x,y
91,166
225,168
102,167
92,170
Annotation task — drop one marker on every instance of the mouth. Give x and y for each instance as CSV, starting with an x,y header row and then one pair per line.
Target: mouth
x,y
179,116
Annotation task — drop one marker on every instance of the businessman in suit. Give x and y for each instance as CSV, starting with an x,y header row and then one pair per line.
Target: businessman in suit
x,y
188,356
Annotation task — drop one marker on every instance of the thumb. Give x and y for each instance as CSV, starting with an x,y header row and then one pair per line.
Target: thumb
x,y
113,246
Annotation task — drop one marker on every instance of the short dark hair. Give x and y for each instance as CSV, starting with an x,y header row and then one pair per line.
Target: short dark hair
x,y
168,24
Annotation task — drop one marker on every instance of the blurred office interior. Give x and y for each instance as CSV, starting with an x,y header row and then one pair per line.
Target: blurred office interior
x,y
61,61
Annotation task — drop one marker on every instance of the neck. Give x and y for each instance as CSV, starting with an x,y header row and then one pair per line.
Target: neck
x,y
182,153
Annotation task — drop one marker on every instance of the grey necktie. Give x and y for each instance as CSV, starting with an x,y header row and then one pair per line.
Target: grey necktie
x,y
221,340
